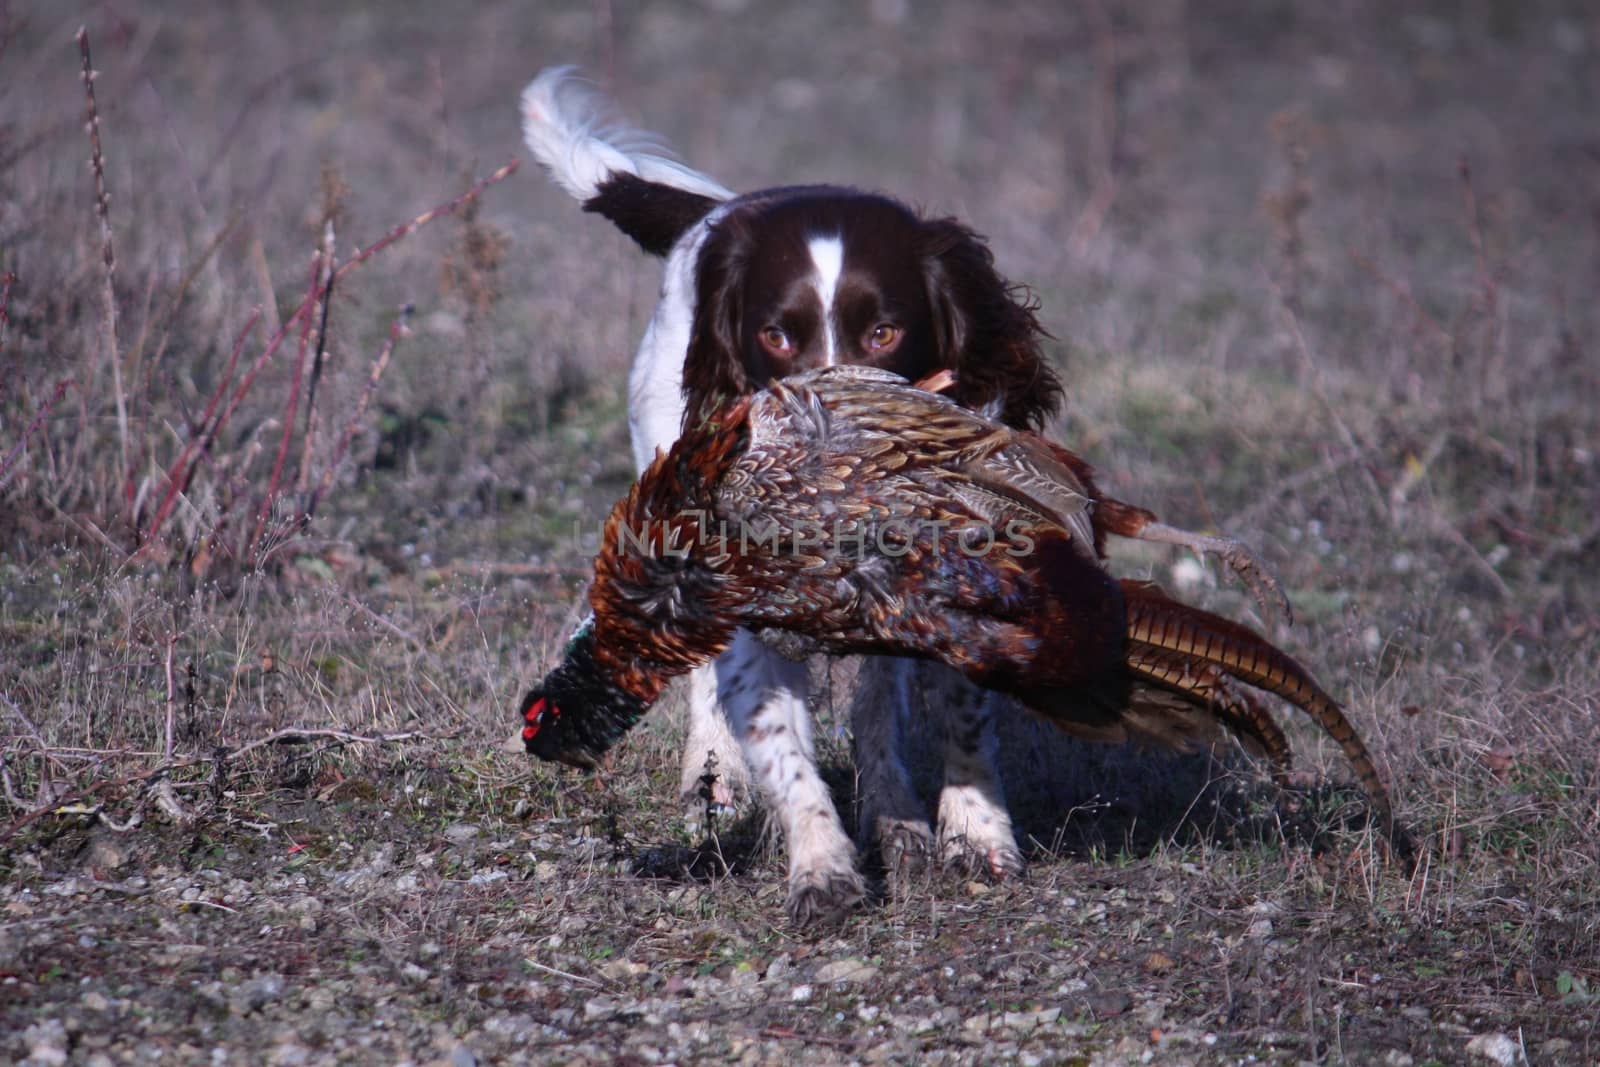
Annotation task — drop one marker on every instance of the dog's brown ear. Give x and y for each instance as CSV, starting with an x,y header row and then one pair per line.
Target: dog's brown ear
x,y
985,328
714,367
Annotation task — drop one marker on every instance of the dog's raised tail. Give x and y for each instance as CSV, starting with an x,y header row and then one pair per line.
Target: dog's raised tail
x,y
618,172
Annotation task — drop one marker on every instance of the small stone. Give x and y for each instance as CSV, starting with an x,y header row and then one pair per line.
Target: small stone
x,y
1159,963
1113,1002
1030,1020
1496,1048
800,993
848,969
620,970
106,853
47,1043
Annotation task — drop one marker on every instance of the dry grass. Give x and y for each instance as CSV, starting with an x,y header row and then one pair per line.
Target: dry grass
x,y
1320,279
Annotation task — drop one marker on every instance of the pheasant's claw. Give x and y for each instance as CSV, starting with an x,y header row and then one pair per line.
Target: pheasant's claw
x,y
1240,558
1262,583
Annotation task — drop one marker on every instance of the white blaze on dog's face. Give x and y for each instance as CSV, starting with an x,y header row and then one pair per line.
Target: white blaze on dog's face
x,y
812,282
827,256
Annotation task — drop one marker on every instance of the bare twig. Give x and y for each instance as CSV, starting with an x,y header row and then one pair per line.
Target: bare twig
x,y
397,329
166,795
287,432
1446,529
1493,352
421,220
308,442
1314,373
22,717
295,735
44,409
178,474
1103,131
102,207
208,434
160,325
509,569
387,624
1267,499
69,802
568,975
9,785
172,702
7,280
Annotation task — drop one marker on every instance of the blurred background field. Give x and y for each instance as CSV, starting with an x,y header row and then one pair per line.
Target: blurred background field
x,y
1321,276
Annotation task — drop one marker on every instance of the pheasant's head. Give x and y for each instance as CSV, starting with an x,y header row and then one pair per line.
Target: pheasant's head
x,y
577,713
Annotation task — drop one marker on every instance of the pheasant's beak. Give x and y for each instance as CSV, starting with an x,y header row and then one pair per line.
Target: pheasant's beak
x,y
581,758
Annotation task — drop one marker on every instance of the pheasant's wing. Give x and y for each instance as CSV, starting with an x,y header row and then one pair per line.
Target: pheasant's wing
x,y
1007,480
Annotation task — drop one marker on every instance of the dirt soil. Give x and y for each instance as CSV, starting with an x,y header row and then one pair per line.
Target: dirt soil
x,y
353,923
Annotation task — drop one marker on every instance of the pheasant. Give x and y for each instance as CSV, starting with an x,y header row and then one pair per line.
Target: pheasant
x,y
854,512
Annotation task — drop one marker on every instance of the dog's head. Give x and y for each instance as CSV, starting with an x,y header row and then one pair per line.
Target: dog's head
x,y
793,279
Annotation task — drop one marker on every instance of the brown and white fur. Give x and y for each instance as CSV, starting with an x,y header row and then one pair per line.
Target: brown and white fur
x,y
756,287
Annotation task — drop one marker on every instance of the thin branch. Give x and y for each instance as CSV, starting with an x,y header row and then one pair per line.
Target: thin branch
x,y
102,207
309,438
70,803
178,473
7,280
295,735
172,703
1103,131
422,220
208,434
44,409
1318,387
397,329
274,480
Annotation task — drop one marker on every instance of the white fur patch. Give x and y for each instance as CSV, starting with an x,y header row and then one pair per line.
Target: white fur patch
x,y
827,255
561,124
655,384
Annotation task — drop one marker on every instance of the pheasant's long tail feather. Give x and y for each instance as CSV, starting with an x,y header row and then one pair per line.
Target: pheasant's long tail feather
x,y
1212,687
1158,621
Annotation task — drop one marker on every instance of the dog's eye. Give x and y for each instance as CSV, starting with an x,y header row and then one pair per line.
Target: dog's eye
x,y
774,340
884,337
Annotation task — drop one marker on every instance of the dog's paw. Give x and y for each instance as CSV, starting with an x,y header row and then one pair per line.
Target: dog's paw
x,y
824,896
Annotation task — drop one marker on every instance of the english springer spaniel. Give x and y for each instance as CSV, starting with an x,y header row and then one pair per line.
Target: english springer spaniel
x,y
759,286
